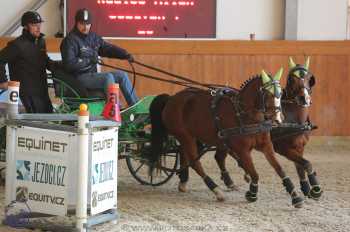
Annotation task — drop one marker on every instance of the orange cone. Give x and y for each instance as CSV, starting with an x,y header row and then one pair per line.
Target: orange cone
x,y
111,110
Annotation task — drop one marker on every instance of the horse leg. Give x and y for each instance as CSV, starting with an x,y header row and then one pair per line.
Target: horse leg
x,y
184,173
316,190
248,166
220,157
239,163
302,166
287,182
190,151
208,181
304,183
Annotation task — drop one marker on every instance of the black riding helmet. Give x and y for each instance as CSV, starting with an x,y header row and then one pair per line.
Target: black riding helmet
x,y
83,15
31,17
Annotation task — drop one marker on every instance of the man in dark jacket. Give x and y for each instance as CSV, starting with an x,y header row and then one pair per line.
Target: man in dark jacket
x,y
27,60
80,51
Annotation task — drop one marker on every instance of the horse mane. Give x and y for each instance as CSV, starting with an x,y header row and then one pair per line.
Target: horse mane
x,y
249,81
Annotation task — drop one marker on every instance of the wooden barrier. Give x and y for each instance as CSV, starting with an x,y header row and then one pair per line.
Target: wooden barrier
x,y
232,62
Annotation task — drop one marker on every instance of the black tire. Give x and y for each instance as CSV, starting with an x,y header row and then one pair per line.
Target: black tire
x,y
139,168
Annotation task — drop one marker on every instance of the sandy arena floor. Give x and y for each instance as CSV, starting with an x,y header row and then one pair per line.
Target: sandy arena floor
x,y
163,208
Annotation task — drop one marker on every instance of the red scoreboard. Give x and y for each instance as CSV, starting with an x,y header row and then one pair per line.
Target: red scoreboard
x,y
149,18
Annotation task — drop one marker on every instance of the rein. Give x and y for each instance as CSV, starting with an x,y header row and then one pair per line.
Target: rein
x,y
134,77
185,79
186,82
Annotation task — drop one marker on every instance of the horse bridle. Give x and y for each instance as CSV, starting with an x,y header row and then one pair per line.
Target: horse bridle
x,y
297,99
262,92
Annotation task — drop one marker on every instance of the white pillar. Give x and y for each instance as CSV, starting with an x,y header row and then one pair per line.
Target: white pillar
x,y
83,162
12,111
316,19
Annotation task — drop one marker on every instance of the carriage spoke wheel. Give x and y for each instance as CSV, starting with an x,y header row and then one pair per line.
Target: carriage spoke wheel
x,y
139,166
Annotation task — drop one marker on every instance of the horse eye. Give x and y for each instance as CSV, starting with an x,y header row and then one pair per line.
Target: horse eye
x,y
312,81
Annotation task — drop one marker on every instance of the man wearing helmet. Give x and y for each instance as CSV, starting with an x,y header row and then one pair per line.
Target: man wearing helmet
x,y
80,51
27,60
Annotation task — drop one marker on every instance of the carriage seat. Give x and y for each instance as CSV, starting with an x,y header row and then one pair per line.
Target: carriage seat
x,y
67,85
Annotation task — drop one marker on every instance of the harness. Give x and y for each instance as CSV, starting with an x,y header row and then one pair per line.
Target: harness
x,y
225,133
285,130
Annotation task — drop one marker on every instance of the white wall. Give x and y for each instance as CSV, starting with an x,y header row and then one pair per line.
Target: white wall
x,y
322,19
236,19
11,10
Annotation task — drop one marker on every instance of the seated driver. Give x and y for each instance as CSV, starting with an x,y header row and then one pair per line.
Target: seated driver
x,y
80,50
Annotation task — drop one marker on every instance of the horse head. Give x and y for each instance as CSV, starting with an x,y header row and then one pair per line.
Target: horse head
x,y
272,91
261,97
299,83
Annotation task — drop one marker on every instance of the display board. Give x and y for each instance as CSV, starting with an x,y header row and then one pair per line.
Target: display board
x,y
103,170
148,18
42,169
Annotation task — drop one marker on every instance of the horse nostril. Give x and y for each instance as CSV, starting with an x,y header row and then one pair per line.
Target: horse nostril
x,y
302,100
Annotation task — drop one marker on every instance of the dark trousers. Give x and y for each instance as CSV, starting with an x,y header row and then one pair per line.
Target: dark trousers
x,y
37,104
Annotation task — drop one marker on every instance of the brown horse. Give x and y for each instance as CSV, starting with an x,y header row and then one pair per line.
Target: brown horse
x,y
227,119
290,140
296,102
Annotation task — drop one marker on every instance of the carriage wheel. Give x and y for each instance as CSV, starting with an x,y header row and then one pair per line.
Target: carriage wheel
x,y
139,167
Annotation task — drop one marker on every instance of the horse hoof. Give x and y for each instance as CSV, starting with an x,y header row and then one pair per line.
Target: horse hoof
x,y
182,188
316,192
297,202
247,178
251,197
219,194
306,194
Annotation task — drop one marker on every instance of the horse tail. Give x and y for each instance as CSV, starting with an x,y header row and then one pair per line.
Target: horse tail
x,y
159,133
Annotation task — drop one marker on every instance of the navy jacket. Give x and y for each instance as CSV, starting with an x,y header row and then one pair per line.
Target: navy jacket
x,y
79,52
27,60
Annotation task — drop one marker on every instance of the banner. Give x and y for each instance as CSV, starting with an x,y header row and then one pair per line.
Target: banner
x,y
104,157
41,158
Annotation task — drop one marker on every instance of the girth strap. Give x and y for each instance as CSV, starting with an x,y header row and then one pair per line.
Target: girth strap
x,y
246,130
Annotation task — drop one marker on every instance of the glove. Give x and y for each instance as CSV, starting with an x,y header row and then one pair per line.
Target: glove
x,y
94,58
130,58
